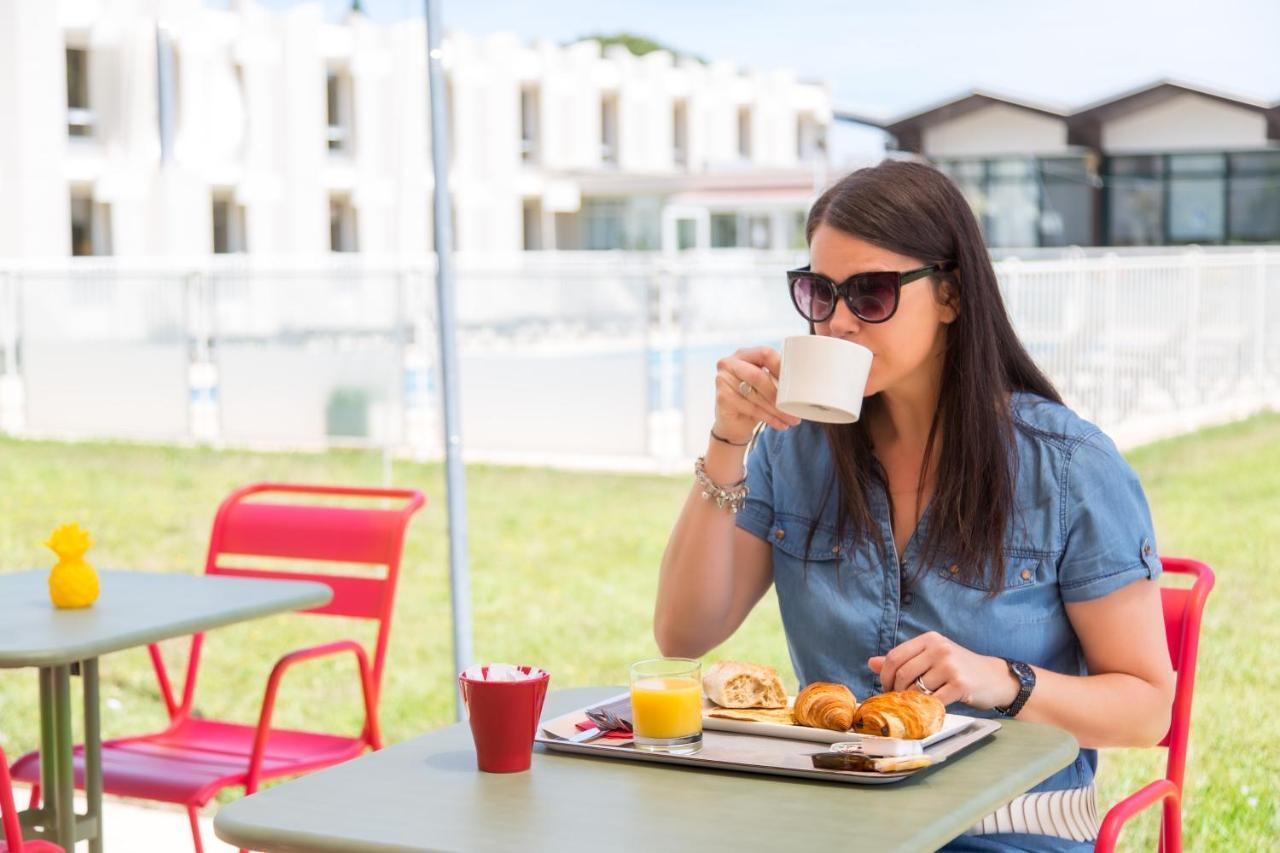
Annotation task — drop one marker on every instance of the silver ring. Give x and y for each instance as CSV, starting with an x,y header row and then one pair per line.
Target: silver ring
x,y
920,686
745,389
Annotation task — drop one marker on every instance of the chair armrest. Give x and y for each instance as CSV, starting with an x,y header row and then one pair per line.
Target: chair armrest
x,y
1132,805
371,730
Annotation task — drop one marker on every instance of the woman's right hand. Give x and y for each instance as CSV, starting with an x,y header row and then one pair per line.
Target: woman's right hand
x,y
736,413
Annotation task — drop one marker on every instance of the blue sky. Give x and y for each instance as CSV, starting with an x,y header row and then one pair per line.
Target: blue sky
x,y
889,57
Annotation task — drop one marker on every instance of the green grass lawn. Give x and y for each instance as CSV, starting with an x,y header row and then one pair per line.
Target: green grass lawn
x,y
564,570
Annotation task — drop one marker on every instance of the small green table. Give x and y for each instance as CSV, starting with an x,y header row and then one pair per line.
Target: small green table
x,y
134,609
426,794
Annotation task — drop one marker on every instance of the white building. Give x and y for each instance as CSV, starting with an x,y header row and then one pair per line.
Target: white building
x,y
294,135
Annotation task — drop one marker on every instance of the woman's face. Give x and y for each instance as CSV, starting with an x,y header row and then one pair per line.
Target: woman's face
x,y
908,343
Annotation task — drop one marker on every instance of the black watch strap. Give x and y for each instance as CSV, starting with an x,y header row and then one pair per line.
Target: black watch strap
x,y
1026,683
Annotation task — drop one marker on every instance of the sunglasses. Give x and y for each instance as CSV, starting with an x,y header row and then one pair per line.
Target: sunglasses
x,y
871,296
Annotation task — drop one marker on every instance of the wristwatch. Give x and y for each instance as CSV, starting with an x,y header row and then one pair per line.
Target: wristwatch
x,y
1026,683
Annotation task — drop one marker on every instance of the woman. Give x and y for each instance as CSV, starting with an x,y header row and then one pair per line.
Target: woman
x,y
969,536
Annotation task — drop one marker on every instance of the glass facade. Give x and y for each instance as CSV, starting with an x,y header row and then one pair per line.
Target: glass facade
x,y
1145,199
1253,197
1208,198
1028,201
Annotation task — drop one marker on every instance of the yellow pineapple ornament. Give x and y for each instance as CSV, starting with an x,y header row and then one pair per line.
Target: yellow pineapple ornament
x,y
73,582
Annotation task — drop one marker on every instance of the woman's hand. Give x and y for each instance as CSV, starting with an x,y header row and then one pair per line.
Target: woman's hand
x,y
951,672
737,413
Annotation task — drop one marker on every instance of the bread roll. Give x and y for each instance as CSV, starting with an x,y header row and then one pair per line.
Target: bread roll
x,y
905,714
823,705
734,684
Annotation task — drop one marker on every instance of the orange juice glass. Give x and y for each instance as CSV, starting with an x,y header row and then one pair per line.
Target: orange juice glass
x,y
666,705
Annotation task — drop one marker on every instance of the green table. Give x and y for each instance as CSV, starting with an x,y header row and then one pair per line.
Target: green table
x,y
426,794
134,609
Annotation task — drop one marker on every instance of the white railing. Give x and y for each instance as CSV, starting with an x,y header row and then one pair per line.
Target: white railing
x,y
580,359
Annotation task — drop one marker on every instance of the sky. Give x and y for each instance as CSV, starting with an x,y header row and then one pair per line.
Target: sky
x,y
890,58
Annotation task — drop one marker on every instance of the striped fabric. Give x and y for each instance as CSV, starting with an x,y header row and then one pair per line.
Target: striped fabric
x,y
1070,814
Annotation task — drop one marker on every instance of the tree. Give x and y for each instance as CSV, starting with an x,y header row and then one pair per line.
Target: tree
x,y
638,45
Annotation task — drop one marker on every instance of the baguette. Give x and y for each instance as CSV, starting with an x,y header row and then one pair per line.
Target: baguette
x,y
734,684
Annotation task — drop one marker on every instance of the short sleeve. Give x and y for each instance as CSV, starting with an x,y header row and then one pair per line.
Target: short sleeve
x,y
1109,540
756,515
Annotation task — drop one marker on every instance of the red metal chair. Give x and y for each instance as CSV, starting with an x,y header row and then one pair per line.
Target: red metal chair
x,y
10,832
1183,608
194,758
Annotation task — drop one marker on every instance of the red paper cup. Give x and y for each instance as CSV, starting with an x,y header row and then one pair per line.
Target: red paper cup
x,y
504,719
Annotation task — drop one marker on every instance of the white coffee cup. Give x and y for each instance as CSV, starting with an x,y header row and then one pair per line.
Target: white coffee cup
x,y
823,378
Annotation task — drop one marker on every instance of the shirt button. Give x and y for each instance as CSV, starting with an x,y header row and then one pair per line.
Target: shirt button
x,y
836,550
906,598
779,533
1146,549
955,570
1026,574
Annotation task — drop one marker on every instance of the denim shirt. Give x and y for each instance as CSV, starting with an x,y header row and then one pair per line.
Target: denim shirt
x,y
1081,529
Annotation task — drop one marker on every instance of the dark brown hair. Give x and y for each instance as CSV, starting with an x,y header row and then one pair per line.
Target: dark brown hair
x,y
913,209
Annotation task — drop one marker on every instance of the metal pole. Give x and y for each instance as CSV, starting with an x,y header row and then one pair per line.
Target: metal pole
x,y
455,477
165,91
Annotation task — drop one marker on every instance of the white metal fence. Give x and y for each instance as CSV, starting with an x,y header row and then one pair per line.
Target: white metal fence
x,y
581,359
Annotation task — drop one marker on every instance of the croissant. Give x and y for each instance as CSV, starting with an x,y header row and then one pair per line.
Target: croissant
x,y
822,705
905,714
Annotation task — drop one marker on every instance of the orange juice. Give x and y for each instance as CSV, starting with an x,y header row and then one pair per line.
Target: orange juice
x,y
666,707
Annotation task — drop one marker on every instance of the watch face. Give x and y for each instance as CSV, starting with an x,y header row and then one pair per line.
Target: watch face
x,y
1024,672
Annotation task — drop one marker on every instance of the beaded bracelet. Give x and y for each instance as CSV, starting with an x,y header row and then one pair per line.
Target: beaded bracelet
x,y
734,495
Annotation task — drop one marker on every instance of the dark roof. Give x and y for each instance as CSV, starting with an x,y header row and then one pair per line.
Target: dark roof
x,y
1084,127
909,130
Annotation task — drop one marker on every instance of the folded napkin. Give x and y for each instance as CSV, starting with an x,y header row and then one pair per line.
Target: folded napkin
x,y
613,735
613,717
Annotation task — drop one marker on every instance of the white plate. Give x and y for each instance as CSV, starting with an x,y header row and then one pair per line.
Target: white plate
x,y
952,725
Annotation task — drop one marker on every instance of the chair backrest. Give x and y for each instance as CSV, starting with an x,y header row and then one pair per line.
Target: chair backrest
x,y
248,528
1183,608
12,832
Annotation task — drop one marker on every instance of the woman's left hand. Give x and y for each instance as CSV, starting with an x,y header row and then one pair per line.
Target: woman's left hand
x,y
950,672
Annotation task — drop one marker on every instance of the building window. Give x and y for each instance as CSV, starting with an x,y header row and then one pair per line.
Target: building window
x,y
1067,203
744,132
530,115
1253,207
531,221
603,222
686,234
1013,202
79,110
1197,198
609,130
340,111
343,236
1135,201
242,96
680,134
228,225
811,138
724,230
90,224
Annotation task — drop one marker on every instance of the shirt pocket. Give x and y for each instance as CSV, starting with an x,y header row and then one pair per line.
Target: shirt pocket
x,y
1026,593
792,544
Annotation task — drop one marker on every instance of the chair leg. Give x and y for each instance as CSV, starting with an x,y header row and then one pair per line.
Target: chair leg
x,y
1171,828
194,818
